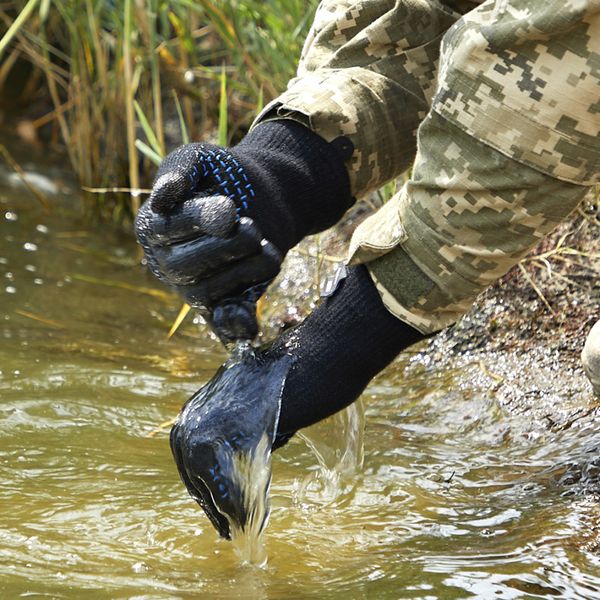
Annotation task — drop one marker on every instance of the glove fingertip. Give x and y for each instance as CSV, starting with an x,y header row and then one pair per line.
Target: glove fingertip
x,y
169,190
234,320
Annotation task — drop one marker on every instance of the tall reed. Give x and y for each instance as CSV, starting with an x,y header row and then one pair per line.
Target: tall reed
x,y
114,70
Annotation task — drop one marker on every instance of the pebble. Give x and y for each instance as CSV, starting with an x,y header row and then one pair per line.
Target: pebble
x,y
590,357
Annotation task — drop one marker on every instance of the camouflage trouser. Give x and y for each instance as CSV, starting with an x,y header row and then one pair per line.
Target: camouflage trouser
x,y
503,105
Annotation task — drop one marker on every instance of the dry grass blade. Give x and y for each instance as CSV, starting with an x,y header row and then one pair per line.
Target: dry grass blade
x,y
319,256
164,296
555,274
39,318
116,190
7,65
536,288
129,106
51,79
185,309
53,114
161,427
103,256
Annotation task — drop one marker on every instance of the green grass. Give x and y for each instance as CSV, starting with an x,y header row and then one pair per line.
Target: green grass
x,y
113,73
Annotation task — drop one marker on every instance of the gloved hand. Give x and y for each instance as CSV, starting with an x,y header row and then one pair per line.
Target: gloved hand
x,y
219,221
315,370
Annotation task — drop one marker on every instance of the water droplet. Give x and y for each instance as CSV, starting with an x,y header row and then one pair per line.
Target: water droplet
x,y
42,228
139,567
10,216
30,247
11,289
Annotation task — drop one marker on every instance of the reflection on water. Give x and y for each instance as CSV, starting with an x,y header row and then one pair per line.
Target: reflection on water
x,y
455,498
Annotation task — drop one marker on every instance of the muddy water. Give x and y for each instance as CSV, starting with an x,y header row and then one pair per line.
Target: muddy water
x,y
456,498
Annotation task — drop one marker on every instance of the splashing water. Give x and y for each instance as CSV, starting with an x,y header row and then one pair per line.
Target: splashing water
x,y
338,447
339,453
252,474
222,445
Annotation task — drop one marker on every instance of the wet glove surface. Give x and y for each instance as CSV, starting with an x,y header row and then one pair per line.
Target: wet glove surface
x,y
219,221
232,417
337,350
307,374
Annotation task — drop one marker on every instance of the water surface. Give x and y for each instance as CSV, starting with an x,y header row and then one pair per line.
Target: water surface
x,y
456,498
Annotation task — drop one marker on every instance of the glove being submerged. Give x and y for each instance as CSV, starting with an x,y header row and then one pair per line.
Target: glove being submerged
x,y
307,374
223,438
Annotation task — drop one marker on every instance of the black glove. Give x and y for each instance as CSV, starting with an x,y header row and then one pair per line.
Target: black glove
x,y
311,372
219,221
337,350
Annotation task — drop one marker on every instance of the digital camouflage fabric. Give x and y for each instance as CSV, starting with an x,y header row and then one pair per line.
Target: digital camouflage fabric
x,y
368,71
467,215
506,95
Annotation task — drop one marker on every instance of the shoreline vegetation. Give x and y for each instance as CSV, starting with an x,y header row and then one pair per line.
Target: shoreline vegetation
x,y
116,84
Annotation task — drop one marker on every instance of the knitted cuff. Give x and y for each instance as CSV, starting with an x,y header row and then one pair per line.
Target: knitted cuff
x,y
300,180
338,349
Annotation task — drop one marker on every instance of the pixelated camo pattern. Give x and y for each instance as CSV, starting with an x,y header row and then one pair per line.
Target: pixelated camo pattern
x,y
524,76
511,92
468,213
368,71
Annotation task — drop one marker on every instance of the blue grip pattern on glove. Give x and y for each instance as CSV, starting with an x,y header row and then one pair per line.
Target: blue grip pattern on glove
x,y
229,175
197,168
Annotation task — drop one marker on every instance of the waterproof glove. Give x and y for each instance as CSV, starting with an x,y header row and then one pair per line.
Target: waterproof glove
x,y
309,373
222,429
219,221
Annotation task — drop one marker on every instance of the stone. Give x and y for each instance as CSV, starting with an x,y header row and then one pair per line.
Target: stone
x,y
590,357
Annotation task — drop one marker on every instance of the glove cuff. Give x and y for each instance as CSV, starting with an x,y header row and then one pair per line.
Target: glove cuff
x,y
300,180
338,349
